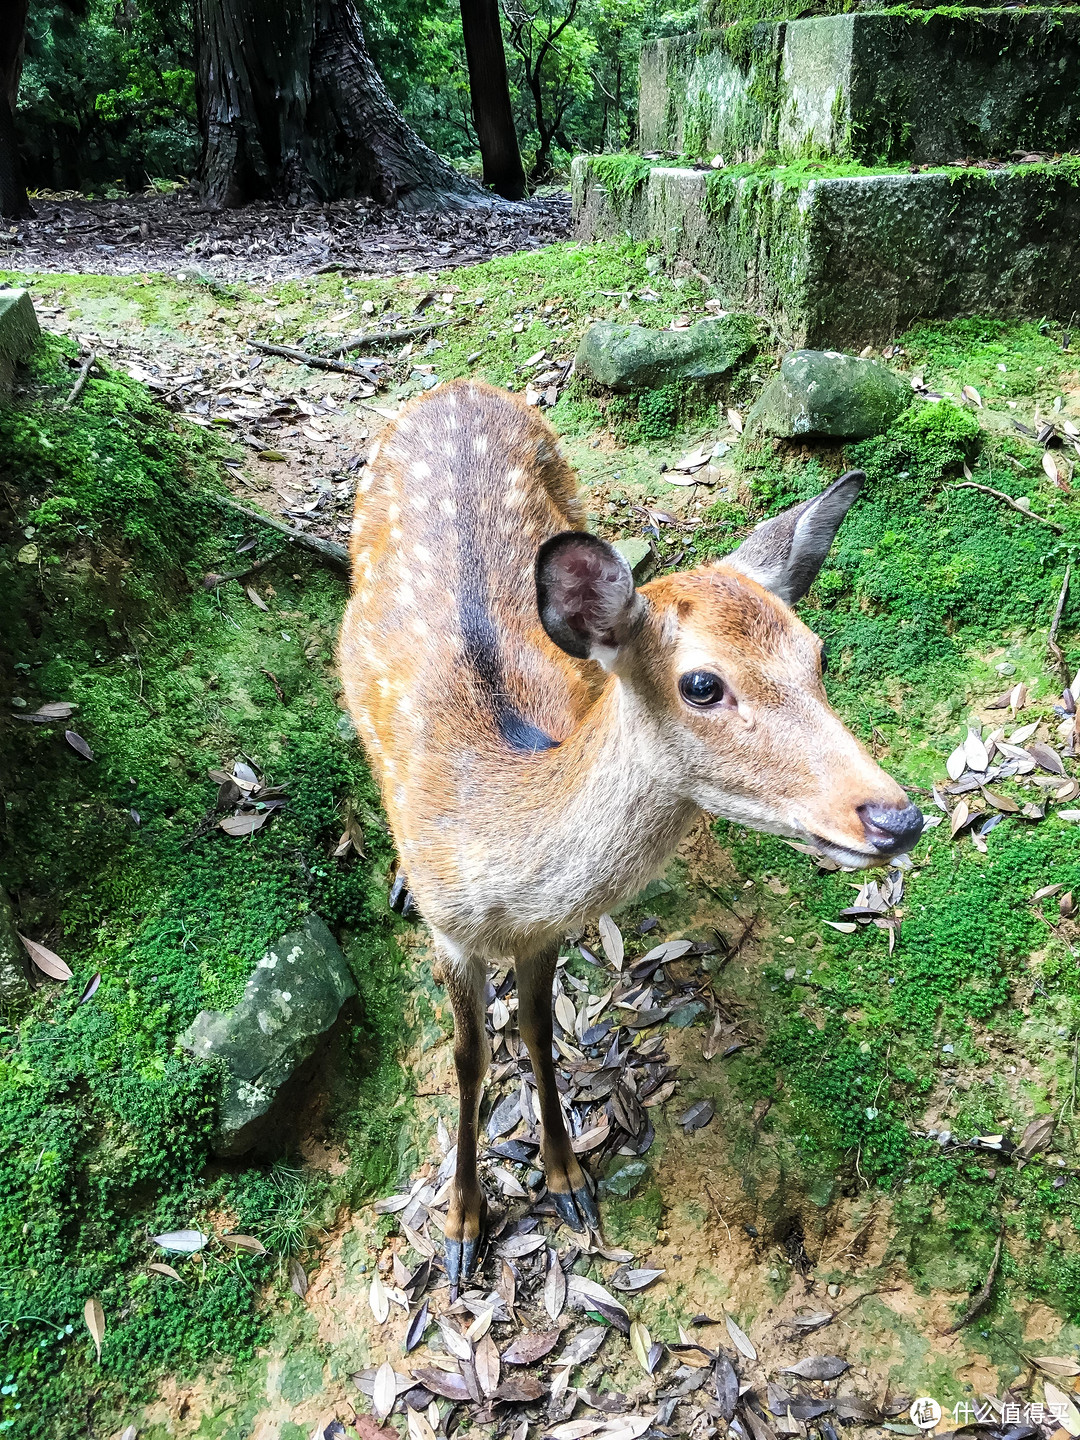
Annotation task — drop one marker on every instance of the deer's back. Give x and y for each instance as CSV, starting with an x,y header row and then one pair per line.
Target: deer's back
x,y
450,678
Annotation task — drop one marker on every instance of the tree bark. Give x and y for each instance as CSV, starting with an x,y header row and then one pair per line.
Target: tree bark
x,y
13,199
293,109
489,87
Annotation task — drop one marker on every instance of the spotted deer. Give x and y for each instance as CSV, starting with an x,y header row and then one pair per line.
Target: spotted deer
x,y
544,733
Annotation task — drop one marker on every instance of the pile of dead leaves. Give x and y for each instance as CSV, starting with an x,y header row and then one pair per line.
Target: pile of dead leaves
x,y
250,799
272,241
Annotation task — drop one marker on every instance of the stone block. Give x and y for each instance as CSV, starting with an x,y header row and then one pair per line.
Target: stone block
x,y
293,997
19,332
845,259
875,87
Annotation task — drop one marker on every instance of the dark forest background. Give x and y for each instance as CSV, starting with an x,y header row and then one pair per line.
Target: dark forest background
x,y
107,100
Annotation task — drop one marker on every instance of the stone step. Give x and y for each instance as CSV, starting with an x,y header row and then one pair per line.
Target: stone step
x,y
844,259
928,87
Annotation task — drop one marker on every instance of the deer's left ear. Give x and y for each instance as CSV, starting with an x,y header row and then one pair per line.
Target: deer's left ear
x,y
785,553
586,596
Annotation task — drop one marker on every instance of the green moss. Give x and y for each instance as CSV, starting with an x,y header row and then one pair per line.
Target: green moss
x,y
105,1126
622,176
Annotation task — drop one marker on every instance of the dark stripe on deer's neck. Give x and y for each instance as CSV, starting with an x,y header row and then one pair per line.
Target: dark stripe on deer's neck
x,y
479,636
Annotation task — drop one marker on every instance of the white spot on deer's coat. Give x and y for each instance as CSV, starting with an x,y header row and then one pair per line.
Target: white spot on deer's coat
x,y
480,444
420,470
420,502
447,506
393,510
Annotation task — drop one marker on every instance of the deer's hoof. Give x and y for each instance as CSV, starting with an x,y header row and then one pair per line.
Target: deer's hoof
x,y
460,1260
577,1208
400,897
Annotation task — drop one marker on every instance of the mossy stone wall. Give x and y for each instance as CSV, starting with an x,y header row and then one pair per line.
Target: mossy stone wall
x,y
838,258
928,87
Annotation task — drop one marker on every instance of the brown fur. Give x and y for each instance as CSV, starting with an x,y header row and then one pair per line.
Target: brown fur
x,y
506,848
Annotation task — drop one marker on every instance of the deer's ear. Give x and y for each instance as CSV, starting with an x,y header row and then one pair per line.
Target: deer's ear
x,y
785,553
586,596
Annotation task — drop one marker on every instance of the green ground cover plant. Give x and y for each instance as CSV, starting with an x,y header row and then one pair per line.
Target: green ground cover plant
x,y
106,1126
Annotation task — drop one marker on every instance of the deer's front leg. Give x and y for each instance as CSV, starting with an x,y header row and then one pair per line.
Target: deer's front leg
x,y
566,1180
465,981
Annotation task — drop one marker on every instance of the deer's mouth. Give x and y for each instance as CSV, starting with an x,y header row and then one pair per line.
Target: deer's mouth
x,y
846,856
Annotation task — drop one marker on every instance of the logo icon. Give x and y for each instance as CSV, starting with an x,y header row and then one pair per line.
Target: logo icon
x,y
925,1413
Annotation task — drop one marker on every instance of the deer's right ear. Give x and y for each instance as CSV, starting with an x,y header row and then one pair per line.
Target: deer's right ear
x,y
586,596
785,553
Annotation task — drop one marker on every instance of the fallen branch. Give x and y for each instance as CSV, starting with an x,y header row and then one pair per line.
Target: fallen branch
x,y
1051,639
316,362
982,1297
1020,509
80,382
328,550
392,337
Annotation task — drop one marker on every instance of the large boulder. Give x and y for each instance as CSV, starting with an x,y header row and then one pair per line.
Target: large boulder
x,y
823,393
292,999
633,358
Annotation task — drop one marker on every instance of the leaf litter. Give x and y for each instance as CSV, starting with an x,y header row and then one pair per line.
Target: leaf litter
x,y
531,1318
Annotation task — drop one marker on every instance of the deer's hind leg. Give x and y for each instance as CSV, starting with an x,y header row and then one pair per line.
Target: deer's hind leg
x,y
465,982
566,1181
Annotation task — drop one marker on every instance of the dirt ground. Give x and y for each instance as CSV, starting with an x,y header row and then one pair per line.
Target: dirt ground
x,y
176,233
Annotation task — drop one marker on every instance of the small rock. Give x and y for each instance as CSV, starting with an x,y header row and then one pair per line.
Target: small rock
x,y
291,1000
633,358
638,555
824,393
14,984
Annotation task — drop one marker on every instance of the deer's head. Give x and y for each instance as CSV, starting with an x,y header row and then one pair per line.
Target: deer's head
x,y
723,682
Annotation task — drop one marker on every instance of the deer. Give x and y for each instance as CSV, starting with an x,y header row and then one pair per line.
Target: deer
x,y
544,732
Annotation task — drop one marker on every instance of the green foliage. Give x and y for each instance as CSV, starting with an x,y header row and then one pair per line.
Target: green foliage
x,y
105,1125
107,94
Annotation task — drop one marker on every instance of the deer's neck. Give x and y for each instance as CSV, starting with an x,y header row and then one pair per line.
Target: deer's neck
x,y
597,820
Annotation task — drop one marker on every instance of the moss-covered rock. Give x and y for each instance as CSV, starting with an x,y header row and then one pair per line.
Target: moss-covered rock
x,y
842,254
633,358
824,393
293,997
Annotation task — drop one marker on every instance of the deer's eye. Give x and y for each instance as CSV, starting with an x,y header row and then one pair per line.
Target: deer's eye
x,y
701,688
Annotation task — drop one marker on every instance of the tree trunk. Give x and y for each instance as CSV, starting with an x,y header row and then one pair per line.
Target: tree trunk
x,y
490,90
13,200
292,109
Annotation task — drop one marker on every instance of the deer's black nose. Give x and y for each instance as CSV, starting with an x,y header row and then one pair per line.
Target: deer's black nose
x,y
890,830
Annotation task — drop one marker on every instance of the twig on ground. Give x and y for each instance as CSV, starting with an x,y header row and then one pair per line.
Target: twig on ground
x,y
391,337
80,382
316,362
1020,509
328,550
212,579
982,1297
1051,639
716,1207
